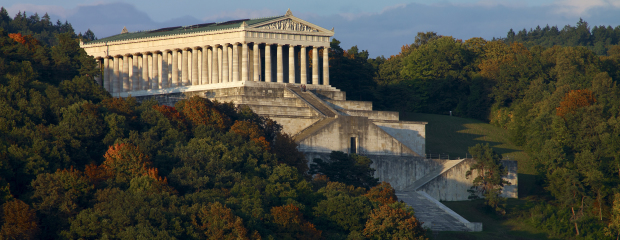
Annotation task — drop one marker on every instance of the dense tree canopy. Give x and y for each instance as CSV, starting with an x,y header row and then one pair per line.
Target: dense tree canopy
x,y
554,91
76,163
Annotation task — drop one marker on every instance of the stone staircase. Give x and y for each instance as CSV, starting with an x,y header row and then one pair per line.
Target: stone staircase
x,y
435,215
314,101
431,212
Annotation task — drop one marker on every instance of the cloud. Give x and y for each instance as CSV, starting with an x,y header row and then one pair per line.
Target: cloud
x,y
582,8
381,33
385,32
242,14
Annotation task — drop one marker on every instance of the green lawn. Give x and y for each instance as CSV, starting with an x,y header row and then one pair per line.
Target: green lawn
x,y
453,136
493,226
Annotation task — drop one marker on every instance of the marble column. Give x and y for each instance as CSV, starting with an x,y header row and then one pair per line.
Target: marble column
x,y
315,65
144,82
256,62
244,62
195,80
291,64
106,74
165,81
225,63
215,65
268,77
155,81
125,74
303,65
325,66
98,77
205,65
280,73
230,57
235,62
135,81
175,68
116,86
184,67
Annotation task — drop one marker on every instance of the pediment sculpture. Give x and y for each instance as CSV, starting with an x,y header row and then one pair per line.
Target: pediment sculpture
x,y
289,25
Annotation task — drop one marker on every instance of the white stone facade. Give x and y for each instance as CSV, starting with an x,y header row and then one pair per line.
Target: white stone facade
x,y
282,49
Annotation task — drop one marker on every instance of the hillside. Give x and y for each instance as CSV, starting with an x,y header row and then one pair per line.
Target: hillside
x,y
452,136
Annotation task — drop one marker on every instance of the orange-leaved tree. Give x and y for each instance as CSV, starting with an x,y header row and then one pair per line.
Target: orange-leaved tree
x,y
121,106
393,221
382,193
250,131
28,41
574,100
96,174
291,224
201,111
497,53
125,161
20,221
217,221
176,117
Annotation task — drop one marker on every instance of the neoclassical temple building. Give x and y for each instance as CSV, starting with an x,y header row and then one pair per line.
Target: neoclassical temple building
x,y
282,49
261,63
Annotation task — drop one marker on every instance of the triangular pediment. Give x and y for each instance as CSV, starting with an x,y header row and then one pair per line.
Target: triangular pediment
x,y
288,25
292,24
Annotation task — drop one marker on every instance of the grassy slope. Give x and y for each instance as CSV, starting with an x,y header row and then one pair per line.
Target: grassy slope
x,y
453,136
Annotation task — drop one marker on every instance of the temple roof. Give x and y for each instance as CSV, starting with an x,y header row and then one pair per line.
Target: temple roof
x,y
233,24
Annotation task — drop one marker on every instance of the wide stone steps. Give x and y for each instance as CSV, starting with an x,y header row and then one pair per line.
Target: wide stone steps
x,y
257,100
315,102
268,110
433,214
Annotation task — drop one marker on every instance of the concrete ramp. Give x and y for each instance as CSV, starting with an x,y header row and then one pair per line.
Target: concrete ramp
x,y
447,165
303,134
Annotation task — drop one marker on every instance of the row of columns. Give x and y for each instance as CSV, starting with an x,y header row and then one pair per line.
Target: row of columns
x,y
213,59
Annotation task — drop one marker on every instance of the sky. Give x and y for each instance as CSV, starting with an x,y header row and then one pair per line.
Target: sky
x,y
381,27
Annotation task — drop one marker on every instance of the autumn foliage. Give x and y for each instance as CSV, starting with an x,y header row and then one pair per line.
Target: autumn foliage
x,y
251,131
20,221
217,221
119,106
95,174
382,193
125,161
574,100
28,41
201,111
173,115
498,54
389,222
291,224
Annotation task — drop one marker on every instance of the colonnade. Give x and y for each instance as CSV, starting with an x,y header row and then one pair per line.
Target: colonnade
x,y
211,64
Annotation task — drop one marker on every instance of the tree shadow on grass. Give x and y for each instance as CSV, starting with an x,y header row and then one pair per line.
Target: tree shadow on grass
x,y
454,135
494,226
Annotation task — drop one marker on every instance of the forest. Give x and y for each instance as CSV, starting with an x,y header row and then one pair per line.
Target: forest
x,y
77,163
555,92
